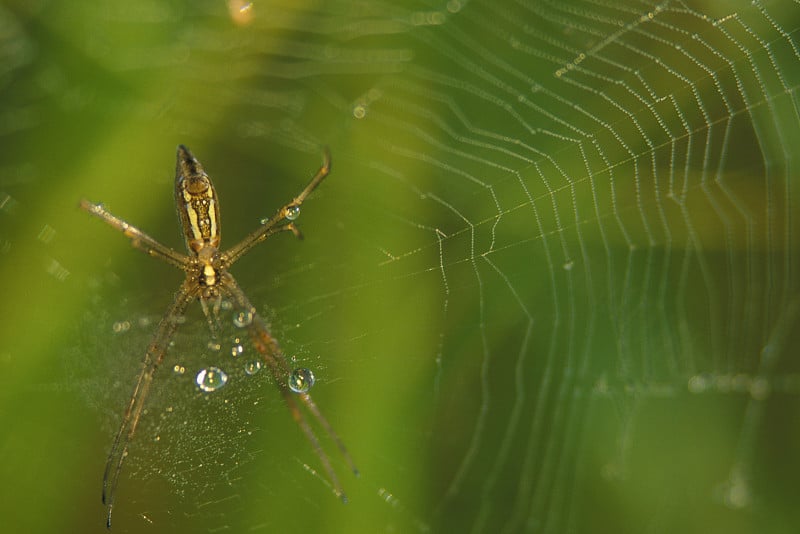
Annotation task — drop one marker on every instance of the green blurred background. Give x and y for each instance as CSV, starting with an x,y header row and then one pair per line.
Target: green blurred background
x,y
551,284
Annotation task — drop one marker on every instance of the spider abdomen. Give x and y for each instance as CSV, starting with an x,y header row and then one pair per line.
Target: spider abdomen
x,y
197,203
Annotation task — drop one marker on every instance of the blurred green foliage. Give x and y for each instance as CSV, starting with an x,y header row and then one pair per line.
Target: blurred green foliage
x,y
550,285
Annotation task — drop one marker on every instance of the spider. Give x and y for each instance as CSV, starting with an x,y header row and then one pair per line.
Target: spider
x,y
209,280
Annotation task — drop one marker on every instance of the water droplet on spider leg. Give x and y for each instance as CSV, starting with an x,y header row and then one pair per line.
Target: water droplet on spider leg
x,y
211,379
292,212
301,380
252,368
242,318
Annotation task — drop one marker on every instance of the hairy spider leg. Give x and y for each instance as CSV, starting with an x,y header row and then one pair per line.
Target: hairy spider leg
x,y
273,356
139,239
152,359
284,213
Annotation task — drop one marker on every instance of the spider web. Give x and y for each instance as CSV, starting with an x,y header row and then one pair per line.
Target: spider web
x,y
550,284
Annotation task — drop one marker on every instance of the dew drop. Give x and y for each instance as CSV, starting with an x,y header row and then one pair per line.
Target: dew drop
x,y
237,349
213,345
121,326
211,379
242,318
178,369
253,367
301,380
292,212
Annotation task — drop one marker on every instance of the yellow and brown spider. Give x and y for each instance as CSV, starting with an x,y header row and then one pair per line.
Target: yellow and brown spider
x,y
208,279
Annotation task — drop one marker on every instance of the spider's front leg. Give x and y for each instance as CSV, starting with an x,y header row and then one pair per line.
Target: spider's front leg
x,y
288,212
138,238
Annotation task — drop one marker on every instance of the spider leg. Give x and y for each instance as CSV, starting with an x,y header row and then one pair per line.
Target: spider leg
x,y
268,347
284,213
238,250
312,407
297,415
138,238
212,314
152,358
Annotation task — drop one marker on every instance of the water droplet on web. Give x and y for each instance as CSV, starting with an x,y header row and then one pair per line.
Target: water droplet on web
x,y
292,212
253,367
242,318
121,326
211,379
237,349
301,380
178,369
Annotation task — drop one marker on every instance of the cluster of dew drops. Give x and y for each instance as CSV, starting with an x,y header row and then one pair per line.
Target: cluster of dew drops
x,y
212,379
